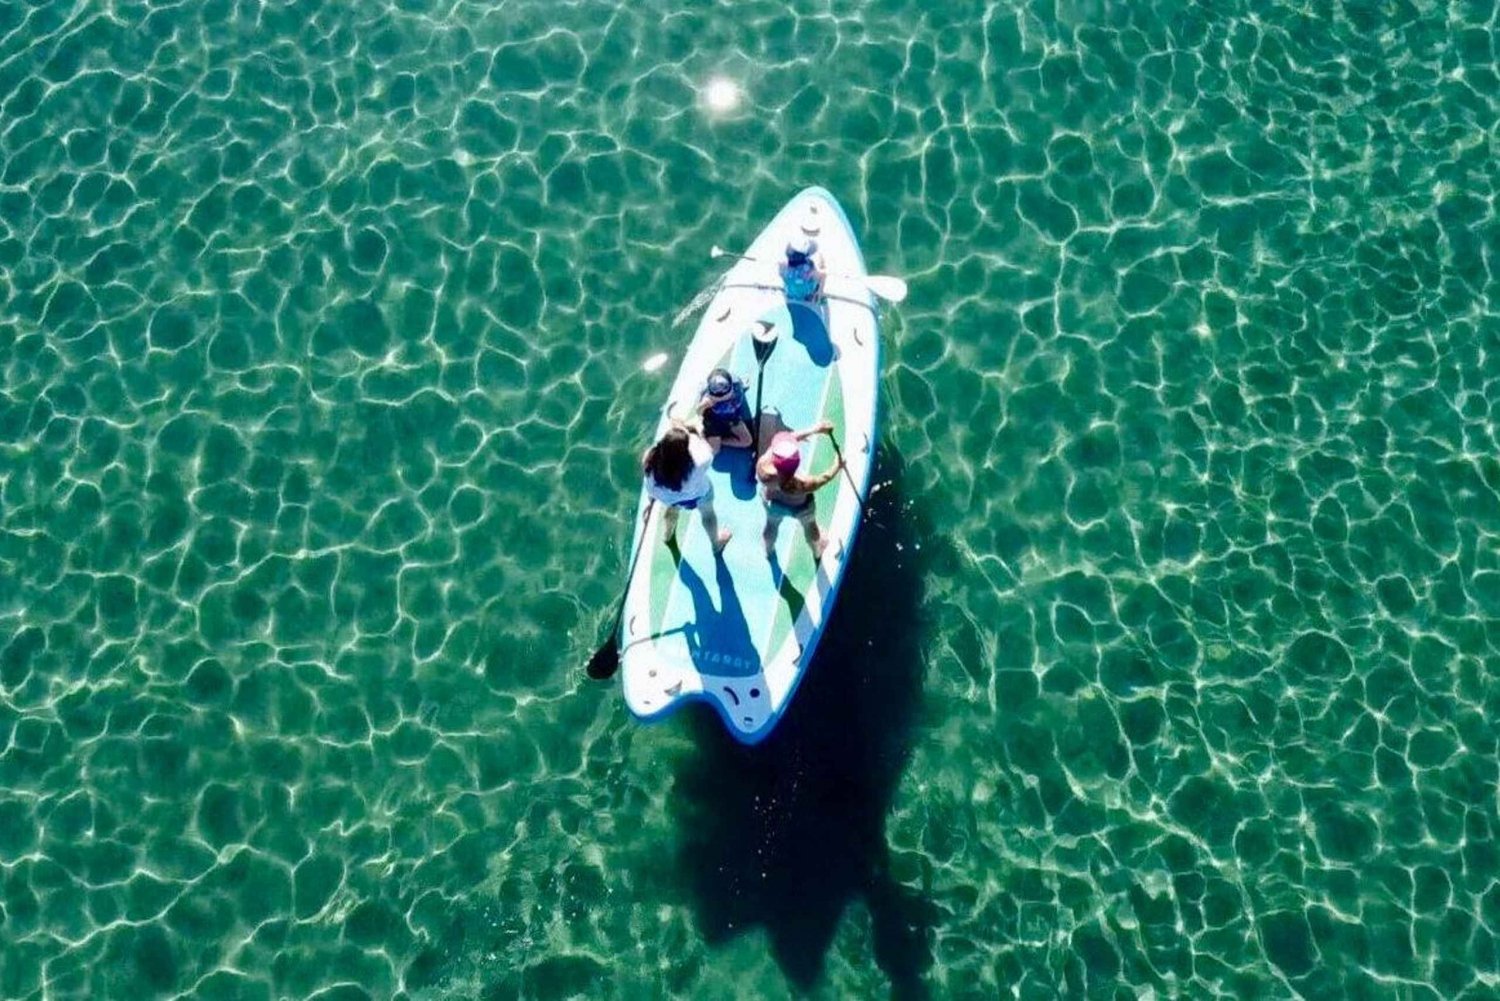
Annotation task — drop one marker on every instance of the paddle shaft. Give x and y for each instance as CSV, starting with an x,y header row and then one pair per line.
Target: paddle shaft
x,y
763,346
864,512
778,288
760,385
614,633
762,260
636,558
871,282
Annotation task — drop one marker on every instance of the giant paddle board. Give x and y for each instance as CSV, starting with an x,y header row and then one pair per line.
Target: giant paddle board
x,y
738,630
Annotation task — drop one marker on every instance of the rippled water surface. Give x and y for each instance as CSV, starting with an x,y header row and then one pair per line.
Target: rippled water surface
x,y
1167,662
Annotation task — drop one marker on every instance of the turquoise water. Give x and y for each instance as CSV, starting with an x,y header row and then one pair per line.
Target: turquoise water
x,y
1166,663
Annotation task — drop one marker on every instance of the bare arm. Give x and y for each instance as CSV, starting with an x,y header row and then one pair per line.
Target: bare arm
x,y
764,471
822,427
811,483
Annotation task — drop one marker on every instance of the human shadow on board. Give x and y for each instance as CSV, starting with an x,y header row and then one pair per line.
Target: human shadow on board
x,y
786,835
718,638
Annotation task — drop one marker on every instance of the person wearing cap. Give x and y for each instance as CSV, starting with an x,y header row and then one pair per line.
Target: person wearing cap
x,y
676,471
725,411
787,493
802,272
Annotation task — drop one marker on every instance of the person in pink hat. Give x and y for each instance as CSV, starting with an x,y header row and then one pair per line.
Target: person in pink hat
x,y
787,493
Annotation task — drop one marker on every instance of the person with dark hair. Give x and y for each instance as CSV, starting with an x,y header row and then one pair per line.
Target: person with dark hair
x,y
725,411
676,471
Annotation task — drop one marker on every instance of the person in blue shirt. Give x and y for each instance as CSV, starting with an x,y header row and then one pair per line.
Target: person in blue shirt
x,y
802,272
725,411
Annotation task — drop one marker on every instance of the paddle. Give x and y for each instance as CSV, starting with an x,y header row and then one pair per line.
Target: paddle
x,y
888,287
764,342
606,660
864,512
827,296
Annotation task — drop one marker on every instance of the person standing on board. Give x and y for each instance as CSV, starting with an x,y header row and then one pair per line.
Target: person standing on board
x,y
788,494
802,272
676,471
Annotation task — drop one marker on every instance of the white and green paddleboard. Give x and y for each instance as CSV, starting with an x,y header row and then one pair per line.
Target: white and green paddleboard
x,y
738,631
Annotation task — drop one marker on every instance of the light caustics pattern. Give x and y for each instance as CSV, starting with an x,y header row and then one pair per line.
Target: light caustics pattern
x,y
325,343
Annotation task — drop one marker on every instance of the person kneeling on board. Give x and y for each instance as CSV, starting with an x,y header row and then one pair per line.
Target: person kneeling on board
x,y
788,494
725,411
676,471
802,272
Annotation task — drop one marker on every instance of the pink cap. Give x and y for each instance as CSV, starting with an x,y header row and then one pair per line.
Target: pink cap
x,y
786,454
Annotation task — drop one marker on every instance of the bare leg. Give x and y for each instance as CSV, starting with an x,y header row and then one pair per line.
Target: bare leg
x,y
711,525
773,522
814,536
669,525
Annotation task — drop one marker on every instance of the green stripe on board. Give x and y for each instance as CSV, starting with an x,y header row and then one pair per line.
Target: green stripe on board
x,y
801,573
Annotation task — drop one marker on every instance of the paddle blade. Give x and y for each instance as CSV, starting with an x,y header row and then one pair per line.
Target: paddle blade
x,y
888,287
716,251
763,340
606,660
